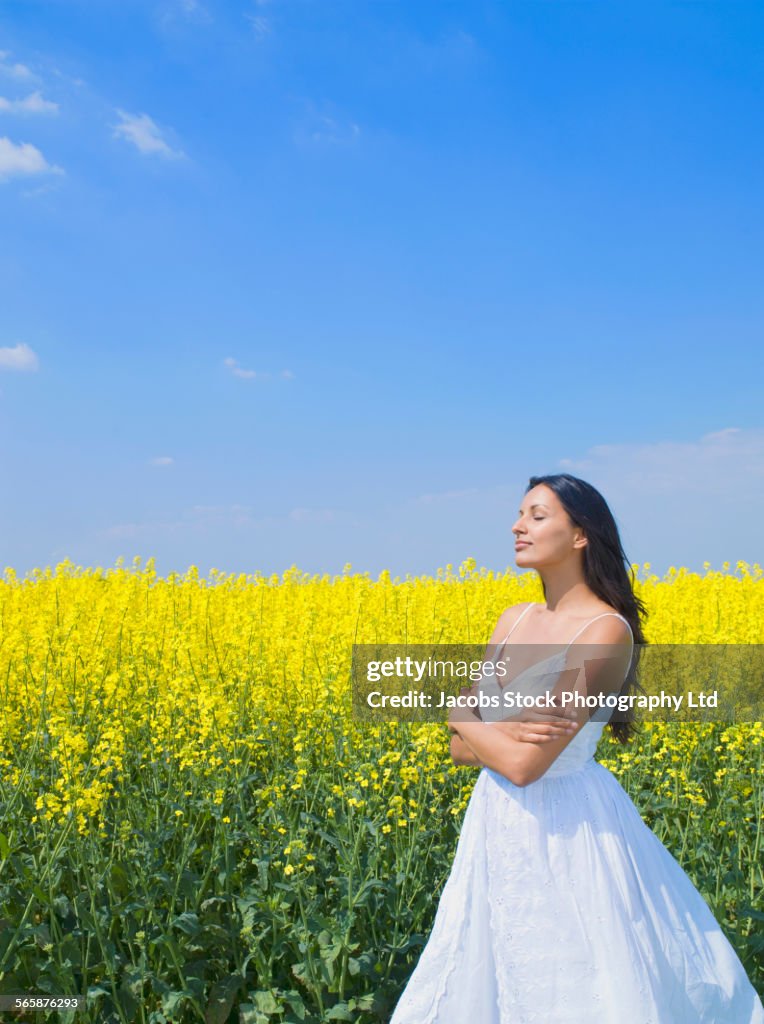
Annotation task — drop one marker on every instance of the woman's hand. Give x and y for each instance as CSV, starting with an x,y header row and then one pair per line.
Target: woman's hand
x,y
528,725
535,726
463,714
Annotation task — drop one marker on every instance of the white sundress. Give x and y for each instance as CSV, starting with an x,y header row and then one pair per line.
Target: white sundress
x,y
563,907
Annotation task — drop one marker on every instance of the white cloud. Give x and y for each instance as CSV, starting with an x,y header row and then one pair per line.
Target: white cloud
x,y
714,464
683,502
326,127
22,159
237,370
329,130
31,193
20,357
161,460
260,26
18,71
144,134
77,82
31,104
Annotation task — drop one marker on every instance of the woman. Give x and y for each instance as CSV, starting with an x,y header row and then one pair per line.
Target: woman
x,y
562,906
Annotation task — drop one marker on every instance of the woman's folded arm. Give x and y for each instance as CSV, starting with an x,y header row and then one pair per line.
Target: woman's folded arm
x,y
461,753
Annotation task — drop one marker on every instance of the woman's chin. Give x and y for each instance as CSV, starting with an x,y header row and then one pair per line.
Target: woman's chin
x,y
523,557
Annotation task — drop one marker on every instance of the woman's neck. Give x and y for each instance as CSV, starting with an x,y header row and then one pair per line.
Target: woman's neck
x,y
567,596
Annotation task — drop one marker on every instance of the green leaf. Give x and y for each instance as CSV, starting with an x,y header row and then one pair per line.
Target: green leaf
x,y
211,902
94,991
222,998
295,1002
120,881
330,953
249,1014
300,971
339,1011
366,1002
128,1002
265,1002
330,839
188,923
173,1002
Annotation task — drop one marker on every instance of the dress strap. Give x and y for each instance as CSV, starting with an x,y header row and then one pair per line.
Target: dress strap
x,y
517,622
602,616
578,634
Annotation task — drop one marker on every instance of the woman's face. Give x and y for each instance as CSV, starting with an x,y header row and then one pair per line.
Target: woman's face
x,y
544,530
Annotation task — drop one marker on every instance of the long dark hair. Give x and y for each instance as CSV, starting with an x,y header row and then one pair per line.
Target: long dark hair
x,y
607,570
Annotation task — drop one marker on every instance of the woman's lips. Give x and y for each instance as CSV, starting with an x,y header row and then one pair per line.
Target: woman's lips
x,y
522,544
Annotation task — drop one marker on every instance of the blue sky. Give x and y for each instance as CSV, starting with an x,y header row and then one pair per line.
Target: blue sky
x,y
317,283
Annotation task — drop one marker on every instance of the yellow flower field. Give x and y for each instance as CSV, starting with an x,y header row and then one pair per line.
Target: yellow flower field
x,y
194,828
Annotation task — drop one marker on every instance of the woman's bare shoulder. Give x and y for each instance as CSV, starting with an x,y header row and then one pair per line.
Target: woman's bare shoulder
x,y
516,610
510,615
